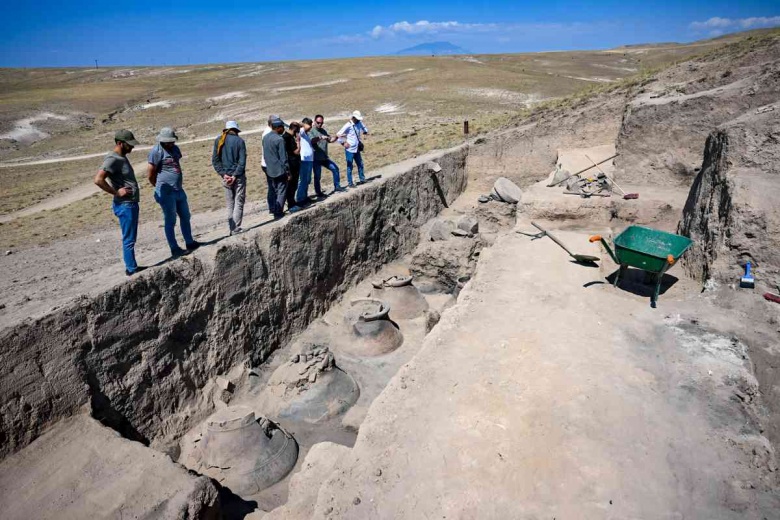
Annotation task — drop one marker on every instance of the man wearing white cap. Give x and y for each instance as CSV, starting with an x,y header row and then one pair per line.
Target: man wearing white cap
x,y
229,161
164,172
350,137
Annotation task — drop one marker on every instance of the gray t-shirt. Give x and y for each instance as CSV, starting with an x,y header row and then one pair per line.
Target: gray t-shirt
x,y
167,164
321,148
121,175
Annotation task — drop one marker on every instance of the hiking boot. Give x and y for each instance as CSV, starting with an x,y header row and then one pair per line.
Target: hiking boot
x,y
192,246
236,231
294,209
137,270
339,189
176,253
321,196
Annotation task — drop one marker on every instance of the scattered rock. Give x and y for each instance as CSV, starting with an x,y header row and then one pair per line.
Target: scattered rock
x,y
432,317
433,166
461,233
378,472
469,224
225,396
558,176
485,198
225,384
8,252
441,229
356,501
507,191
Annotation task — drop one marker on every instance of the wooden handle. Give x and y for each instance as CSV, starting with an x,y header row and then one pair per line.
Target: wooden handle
x,y
595,238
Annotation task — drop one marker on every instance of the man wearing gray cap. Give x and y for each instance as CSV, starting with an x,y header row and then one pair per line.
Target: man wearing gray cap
x,y
229,161
164,172
116,177
276,167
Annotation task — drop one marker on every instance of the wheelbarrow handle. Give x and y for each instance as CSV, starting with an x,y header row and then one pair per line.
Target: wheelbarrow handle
x,y
599,238
670,259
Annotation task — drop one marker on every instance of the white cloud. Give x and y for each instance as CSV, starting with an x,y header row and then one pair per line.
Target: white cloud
x,y
426,27
718,24
503,32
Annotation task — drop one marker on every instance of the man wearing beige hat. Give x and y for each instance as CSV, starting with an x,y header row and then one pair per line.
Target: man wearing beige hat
x,y
116,177
164,172
350,138
229,161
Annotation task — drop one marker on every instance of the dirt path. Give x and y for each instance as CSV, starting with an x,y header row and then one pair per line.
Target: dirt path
x,y
79,192
547,394
63,199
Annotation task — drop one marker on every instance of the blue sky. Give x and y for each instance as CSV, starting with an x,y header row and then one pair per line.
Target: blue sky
x,y
167,33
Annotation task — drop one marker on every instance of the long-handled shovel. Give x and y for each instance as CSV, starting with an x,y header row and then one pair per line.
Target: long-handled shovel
x,y
581,259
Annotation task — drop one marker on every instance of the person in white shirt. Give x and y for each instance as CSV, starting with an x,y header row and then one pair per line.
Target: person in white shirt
x,y
307,163
350,137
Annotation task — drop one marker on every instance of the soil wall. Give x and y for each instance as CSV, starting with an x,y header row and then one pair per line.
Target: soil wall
x,y
141,353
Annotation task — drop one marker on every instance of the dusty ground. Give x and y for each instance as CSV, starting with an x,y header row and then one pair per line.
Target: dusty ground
x,y
560,397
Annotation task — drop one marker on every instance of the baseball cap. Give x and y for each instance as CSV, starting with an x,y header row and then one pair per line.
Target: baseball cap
x,y
277,122
126,136
232,125
357,115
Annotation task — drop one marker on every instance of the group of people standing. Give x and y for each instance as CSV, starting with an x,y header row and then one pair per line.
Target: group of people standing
x,y
292,154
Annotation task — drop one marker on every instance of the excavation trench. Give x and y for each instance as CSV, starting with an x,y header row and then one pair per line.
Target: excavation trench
x,y
203,352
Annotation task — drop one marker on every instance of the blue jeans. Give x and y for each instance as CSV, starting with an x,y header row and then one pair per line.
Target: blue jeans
x,y
127,213
174,202
304,178
358,157
334,169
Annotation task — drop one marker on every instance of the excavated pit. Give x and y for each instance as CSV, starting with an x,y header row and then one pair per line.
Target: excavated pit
x,y
188,360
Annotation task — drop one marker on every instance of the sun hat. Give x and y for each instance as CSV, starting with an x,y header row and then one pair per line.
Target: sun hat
x,y
357,115
125,136
232,125
167,135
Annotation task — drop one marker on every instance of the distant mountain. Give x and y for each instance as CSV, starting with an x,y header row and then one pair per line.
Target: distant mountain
x,y
432,48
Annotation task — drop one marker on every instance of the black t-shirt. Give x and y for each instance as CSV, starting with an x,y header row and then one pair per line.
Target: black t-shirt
x,y
290,145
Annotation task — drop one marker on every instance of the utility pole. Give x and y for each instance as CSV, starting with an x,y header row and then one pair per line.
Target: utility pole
x,y
96,65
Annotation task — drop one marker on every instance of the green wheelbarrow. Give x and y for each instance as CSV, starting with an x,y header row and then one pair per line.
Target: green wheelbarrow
x,y
648,249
